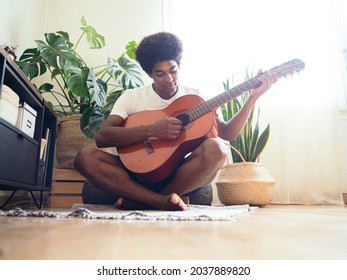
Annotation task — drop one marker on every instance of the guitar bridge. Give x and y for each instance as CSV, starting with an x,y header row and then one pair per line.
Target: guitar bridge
x,y
148,146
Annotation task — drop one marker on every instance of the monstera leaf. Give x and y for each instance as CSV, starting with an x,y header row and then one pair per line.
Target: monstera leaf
x,y
31,63
131,49
77,79
125,72
91,120
95,40
56,51
97,89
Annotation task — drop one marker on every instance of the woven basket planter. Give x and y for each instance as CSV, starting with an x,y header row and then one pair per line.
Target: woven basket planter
x,y
70,139
245,183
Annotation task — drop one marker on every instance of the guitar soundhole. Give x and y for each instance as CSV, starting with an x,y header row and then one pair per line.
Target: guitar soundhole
x,y
184,118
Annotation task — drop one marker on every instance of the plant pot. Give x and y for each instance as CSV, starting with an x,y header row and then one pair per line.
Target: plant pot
x,y
245,183
70,139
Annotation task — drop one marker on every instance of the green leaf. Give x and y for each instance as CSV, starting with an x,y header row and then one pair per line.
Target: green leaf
x,y
72,67
263,139
97,89
77,83
94,39
111,99
126,72
254,142
91,121
224,112
229,111
56,52
31,63
46,87
131,49
66,37
248,142
83,21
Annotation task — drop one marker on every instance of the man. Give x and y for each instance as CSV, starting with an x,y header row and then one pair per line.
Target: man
x,y
159,55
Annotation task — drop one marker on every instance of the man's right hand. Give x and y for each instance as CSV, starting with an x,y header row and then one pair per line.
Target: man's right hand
x,y
167,128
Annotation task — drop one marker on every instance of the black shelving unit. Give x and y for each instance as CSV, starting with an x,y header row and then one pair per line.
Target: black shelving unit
x,y
20,165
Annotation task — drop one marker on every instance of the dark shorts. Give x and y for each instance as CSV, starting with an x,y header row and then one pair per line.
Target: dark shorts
x,y
93,195
156,187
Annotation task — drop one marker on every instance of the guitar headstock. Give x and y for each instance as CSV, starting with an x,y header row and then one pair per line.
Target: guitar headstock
x,y
289,67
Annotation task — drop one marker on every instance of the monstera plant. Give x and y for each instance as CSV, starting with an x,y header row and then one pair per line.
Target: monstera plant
x,y
76,87
251,142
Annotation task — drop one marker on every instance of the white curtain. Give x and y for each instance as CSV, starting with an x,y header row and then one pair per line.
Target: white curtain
x,y
222,38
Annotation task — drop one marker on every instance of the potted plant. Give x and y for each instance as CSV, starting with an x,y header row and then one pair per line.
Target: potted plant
x,y
81,92
80,89
250,142
245,181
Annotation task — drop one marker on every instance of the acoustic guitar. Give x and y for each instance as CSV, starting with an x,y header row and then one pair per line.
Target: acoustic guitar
x,y
154,159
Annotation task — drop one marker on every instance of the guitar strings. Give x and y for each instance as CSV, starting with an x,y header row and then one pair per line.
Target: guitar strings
x,y
206,107
218,100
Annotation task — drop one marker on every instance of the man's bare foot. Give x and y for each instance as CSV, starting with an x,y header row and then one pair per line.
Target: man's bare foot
x,y
126,204
175,203
170,202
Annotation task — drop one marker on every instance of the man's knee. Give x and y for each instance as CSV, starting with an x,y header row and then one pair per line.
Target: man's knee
x,y
83,156
214,151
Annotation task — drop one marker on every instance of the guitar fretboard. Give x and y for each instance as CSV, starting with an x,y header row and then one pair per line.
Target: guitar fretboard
x,y
282,70
206,107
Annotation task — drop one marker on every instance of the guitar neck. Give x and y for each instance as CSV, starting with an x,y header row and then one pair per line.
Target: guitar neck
x,y
282,70
215,102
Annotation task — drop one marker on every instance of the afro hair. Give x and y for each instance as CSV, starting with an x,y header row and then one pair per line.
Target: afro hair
x,y
158,47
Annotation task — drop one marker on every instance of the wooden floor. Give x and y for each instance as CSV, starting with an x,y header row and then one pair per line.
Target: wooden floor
x,y
275,232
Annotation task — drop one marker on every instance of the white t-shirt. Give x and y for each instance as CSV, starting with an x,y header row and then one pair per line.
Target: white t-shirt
x,y
144,99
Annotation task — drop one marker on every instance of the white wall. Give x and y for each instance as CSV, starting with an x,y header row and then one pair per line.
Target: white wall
x,y
119,21
18,27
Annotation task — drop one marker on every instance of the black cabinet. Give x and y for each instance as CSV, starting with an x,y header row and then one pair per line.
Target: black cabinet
x,y
22,166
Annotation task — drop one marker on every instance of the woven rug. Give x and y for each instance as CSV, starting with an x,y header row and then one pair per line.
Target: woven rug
x,y
88,211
